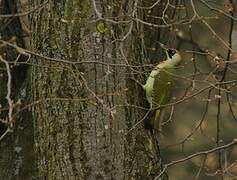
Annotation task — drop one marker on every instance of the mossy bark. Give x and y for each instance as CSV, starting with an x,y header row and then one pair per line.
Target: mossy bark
x,y
83,111
59,115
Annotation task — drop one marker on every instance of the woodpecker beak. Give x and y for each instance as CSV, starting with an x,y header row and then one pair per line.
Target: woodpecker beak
x,y
163,46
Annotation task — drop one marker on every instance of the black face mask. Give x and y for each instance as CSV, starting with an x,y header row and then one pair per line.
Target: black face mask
x,y
171,52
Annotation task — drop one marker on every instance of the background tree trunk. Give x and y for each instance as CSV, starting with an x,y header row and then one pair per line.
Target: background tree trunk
x,y
16,149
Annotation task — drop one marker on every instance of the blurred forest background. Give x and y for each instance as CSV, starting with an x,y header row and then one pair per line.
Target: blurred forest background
x,y
69,108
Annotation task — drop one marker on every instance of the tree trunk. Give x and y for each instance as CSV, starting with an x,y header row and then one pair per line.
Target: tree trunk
x,y
84,104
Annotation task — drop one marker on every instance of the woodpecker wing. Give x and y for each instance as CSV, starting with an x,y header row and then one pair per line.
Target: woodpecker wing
x,y
162,86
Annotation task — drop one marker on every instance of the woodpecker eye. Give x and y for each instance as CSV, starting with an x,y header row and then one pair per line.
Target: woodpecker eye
x,y
171,52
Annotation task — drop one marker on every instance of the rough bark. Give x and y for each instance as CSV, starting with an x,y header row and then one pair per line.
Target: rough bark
x,y
83,111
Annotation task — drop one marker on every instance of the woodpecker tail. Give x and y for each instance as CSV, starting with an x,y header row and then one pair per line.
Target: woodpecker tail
x,y
151,121
154,146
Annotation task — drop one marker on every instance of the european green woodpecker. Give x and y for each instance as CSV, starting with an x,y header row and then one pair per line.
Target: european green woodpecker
x,y
158,86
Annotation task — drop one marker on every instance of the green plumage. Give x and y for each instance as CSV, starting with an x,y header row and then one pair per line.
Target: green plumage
x,y
162,87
